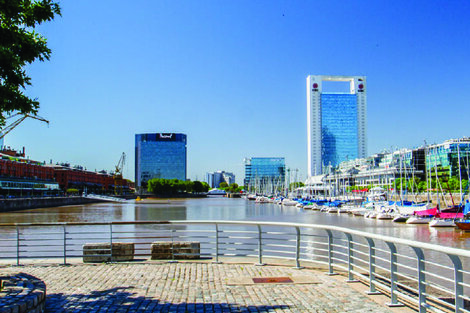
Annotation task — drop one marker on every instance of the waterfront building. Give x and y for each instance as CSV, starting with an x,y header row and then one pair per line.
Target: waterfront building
x,y
450,159
336,122
159,155
76,177
20,176
445,159
265,175
214,179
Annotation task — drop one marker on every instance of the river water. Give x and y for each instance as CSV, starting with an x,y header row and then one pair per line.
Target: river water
x,y
219,208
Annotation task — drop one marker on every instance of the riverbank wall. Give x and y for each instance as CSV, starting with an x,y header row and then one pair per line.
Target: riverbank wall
x,y
7,205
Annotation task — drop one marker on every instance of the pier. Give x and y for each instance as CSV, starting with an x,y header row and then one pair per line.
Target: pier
x,y
199,287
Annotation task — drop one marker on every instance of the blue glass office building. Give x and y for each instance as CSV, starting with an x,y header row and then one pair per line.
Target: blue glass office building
x,y
336,122
159,155
261,173
339,128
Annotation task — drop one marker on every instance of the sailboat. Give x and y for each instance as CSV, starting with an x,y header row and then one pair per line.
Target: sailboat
x,y
464,224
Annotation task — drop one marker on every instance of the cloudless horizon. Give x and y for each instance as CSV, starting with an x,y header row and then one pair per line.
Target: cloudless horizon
x,y
231,75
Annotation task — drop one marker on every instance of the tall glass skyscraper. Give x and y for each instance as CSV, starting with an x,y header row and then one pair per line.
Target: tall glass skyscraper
x,y
265,174
159,155
336,122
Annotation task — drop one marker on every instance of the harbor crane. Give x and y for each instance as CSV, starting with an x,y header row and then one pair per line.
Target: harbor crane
x,y
118,171
20,119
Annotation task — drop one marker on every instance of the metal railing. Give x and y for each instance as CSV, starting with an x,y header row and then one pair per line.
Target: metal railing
x,y
429,277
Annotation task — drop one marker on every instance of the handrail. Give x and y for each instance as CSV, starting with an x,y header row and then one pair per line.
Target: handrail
x,y
407,242
376,260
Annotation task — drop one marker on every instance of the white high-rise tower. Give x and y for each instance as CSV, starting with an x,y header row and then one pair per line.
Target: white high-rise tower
x,y
336,122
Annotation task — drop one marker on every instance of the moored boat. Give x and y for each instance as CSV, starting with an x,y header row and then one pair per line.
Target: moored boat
x,y
419,219
385,216
401,218
463,225
442,222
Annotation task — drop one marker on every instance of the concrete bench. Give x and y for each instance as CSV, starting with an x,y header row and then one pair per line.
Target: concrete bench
x,y
102,252
174,250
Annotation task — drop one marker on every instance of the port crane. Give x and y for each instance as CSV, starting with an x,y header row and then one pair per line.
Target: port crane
x,y
21,118
118,179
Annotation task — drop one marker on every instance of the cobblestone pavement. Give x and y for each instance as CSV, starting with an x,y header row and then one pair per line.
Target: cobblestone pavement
x,y
192,287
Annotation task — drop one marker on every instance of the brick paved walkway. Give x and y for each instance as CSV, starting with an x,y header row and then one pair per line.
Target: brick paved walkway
x,y
193,287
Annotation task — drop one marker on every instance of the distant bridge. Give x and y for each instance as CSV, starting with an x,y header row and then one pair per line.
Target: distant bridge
x,y
104,198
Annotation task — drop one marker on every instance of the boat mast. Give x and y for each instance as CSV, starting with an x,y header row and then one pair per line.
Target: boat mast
x,y
426,170
460,171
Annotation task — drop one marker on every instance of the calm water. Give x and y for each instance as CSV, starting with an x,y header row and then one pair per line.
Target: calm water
x,y
218,208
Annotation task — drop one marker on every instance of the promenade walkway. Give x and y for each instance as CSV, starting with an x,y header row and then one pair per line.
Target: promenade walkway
x,y
198,287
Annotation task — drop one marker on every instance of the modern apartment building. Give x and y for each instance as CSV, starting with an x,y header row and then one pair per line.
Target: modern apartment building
x,y
159,155
336,122
214,179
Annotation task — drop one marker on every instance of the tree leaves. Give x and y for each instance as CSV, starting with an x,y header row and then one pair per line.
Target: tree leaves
x,y
20,45
161,186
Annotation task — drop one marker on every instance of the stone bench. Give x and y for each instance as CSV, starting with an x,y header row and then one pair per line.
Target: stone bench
x,y
174,250
101,252
22,293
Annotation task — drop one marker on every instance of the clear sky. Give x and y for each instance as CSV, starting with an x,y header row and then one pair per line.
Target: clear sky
x,y
232,76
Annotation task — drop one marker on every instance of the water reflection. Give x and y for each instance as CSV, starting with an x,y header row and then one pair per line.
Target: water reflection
x,y
232,209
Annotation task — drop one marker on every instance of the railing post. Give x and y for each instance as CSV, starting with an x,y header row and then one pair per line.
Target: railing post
x,y
17,245
350,259
260,247
330,252
65,243
111,242
297,248
458,280
393,275
173,231
372,290
421,279
217,243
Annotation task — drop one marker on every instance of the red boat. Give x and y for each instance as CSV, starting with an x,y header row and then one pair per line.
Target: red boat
x,y
463,225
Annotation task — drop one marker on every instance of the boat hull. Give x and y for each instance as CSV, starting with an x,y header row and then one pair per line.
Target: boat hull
x,y
441,223
463,225
418,220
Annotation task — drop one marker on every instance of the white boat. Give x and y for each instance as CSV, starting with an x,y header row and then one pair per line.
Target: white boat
x,y
251,197
359,211
418,220
289,202
442,222
343,209
262,200
370,214
310,207
333,210
401,218
385,216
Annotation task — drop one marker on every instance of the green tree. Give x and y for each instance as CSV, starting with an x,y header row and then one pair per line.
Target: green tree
x,y
198,187
223,185
422,186
189,186
233,187
20,45
296,185
453,184
205,186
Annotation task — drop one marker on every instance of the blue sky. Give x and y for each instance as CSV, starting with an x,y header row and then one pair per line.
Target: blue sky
x,y
231,75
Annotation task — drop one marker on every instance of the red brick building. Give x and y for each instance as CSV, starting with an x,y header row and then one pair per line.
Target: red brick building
x,y
21,176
